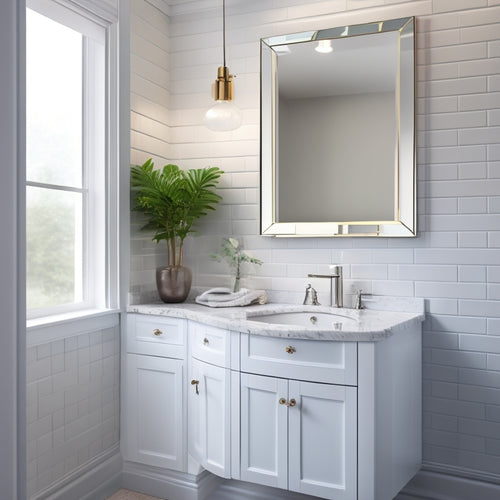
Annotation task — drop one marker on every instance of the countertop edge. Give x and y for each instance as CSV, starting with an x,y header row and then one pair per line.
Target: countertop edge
x,y
235,319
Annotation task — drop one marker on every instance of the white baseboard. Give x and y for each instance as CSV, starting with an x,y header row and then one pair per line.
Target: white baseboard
x,y
168,484
106,474
239,490
451,483
447,483
96,480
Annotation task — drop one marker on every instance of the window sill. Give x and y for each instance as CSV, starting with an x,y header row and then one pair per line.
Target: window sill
x,y
52,328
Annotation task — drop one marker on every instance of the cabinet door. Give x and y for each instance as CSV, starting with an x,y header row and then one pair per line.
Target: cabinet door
x,y
155,431
209,417
264,430
323,440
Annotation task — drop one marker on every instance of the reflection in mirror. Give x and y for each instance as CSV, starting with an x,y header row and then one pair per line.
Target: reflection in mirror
x,y
337,132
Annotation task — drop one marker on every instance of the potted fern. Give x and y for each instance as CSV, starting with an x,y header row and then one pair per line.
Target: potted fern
x,y
171,200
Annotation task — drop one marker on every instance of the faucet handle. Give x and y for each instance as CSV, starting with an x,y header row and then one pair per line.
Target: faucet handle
x,y
311,297
359,298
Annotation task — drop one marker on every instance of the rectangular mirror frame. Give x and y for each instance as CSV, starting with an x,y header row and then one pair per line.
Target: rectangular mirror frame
x,y
405,220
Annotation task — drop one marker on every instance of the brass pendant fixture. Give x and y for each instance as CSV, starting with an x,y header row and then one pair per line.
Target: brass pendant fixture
x,y
224,115
223,86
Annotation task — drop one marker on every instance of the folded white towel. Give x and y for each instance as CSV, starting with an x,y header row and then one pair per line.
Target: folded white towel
x,y
223,297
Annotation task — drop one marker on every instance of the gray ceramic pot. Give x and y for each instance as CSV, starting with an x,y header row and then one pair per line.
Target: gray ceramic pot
x,y
173,283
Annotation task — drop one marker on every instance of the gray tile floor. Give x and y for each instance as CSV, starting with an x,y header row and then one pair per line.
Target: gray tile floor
x,y
224,492
130,495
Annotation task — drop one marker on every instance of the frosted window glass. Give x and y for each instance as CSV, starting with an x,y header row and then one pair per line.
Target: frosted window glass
x,y
54,64
53,249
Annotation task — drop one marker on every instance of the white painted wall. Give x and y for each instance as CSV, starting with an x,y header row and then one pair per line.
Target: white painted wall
x,y
11,270
454,262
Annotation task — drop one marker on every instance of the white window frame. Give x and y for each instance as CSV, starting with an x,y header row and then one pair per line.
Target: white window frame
x,y
99,185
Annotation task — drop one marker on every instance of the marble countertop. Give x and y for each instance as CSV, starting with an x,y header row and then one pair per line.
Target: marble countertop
x,y
347,325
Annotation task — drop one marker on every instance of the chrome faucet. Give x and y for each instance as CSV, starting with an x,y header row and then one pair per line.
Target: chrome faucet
x,y
311,297
339,286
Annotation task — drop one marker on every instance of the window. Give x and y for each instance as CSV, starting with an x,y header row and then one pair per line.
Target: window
x,y
66,161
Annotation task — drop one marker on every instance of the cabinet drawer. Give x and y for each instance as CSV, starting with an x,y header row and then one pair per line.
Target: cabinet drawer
x,y
316,360
210,344
156,336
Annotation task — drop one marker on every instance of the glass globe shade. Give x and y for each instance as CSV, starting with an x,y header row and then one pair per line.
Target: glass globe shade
x,y
324,47
223,116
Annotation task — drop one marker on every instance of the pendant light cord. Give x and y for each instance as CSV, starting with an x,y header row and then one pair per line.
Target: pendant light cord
x,y
224,30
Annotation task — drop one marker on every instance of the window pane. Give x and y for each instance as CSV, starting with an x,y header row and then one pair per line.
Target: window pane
x,y
53,102
53,247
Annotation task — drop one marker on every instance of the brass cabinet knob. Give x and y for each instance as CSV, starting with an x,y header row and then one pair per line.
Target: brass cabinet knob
x,y
157,332
283,401
196,385
206,341
289,349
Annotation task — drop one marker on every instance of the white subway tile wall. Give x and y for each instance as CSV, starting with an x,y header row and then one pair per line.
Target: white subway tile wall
x,y
454,263
151,133
73,405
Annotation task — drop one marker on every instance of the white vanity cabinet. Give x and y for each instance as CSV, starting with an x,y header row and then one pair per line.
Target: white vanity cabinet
x,y
296,434
336,418
154,411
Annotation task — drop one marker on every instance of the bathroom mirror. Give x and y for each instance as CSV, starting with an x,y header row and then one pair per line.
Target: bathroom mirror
x,y
337,132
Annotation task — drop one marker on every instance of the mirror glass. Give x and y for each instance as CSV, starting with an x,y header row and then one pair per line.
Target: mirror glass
x,y
337,132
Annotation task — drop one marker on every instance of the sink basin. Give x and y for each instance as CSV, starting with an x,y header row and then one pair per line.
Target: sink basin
x,y
308,319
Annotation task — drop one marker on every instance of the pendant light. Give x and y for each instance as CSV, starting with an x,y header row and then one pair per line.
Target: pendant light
x,y
224,115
